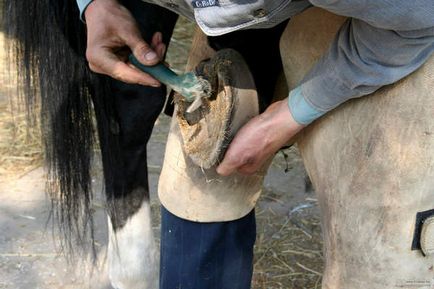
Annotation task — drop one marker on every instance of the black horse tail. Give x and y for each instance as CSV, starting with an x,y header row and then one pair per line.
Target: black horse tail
x,y
48,49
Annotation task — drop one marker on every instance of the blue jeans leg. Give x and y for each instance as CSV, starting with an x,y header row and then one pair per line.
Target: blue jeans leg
x,y
206,255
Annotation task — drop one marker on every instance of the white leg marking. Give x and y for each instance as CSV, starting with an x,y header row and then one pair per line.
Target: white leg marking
x,y
132,254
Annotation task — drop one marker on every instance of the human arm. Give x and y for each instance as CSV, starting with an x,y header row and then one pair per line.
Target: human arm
x,y
112,33
361,60
259,140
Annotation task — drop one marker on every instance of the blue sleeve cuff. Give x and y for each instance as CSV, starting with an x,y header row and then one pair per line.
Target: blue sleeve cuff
x,y
82,5
302,112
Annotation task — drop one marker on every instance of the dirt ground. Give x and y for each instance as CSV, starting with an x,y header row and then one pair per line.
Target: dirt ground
x,y
288,249
29,258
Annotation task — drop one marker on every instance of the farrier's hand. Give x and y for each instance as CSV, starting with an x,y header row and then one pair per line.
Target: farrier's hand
x,y
112,33
259,140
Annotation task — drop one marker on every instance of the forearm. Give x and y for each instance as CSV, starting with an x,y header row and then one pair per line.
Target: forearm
x,y
361,59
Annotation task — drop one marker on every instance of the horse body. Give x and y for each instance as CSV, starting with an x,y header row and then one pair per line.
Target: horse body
x,y
371,163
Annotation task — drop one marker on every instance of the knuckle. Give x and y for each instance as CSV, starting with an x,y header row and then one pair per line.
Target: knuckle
x,y
232,160
245,159
122,75
92,68
90,55
247,170
142,47
116,72
119,75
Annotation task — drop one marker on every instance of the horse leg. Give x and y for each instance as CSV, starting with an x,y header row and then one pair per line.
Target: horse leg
x,y
132,254
370,162
132,257
374,187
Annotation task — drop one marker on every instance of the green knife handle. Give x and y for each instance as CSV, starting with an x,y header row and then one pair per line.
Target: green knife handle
x,y
159,71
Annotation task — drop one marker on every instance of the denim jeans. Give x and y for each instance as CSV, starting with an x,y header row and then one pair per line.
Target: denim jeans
x,y
206,255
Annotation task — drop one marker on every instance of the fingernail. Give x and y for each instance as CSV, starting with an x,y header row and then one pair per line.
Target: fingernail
x,y
151,55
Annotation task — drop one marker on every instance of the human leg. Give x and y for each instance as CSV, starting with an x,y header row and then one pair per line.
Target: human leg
x,y
179,240
215,255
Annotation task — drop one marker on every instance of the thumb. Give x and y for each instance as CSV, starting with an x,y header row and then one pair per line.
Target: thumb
x,y
142,51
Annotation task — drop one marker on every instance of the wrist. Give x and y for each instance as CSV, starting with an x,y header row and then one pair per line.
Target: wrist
x,y
302,111
279,123
287,122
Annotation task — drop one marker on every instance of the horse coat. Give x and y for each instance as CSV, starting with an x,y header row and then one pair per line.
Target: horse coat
x,y
371,162
389,208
